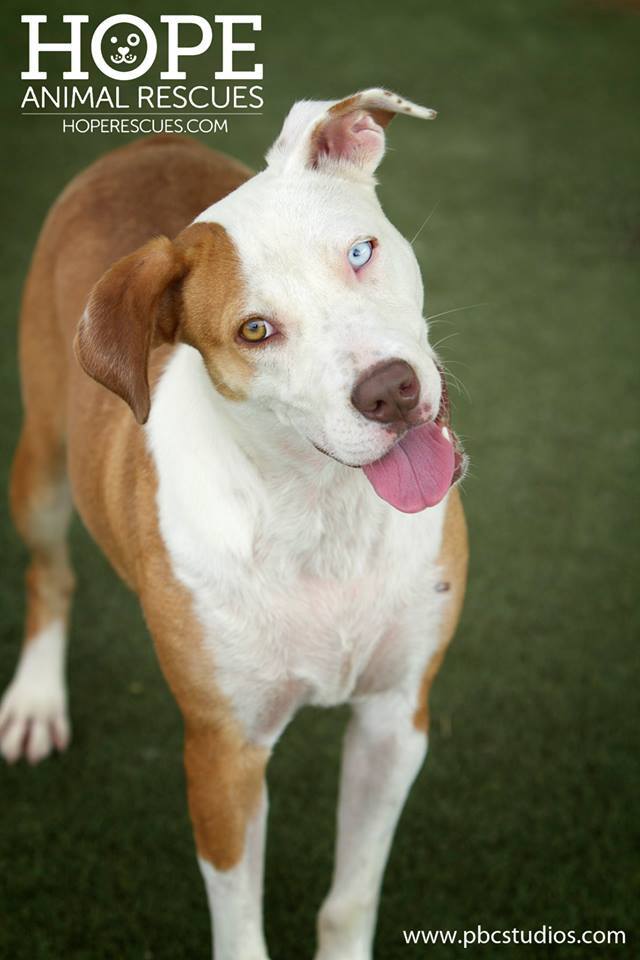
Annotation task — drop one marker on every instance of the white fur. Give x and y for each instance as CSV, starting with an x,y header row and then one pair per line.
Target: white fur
x,y
336,323
309,588
382,754
299,572
33,713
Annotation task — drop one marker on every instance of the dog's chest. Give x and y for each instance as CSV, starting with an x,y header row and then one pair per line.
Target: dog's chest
x,y
300,581
330,597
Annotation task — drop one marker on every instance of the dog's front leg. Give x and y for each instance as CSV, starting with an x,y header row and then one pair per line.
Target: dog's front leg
x,y
228,804
225,769
383,751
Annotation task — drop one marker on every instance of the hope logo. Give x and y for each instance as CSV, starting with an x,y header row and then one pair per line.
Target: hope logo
x,y
124,47
124,54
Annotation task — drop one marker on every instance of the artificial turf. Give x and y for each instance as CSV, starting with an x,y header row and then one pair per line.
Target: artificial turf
x,y
526,812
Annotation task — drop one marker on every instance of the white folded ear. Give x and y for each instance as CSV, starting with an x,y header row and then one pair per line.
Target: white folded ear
x,y
346,134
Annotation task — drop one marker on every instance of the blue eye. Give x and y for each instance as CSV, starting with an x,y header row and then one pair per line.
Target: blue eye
x,y
360,253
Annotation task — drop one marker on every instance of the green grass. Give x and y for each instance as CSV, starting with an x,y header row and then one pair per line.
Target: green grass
x,y
524,813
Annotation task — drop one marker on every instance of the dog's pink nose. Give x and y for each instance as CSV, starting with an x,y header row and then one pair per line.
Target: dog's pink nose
x,y
387,393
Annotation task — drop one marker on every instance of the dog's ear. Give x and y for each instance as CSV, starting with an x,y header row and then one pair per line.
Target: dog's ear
x,y
346,135
131,309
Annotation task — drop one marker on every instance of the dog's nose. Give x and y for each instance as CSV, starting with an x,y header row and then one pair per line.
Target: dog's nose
x,y
387,393
123,51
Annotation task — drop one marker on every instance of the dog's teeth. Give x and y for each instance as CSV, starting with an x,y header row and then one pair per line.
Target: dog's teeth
x,y
446,434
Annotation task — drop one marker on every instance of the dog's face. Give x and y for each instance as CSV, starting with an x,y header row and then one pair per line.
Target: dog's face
x,y
302,298
330,291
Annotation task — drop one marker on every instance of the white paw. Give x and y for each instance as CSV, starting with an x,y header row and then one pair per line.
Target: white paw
x,y
33,721
33,712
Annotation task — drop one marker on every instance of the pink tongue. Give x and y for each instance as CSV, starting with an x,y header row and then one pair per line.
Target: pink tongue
x,y
417,472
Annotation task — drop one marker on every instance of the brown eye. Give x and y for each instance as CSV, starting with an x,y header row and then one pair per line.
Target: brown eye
x,y
255,330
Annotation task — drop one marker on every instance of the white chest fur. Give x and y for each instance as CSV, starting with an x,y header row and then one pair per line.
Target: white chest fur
x,y
303,579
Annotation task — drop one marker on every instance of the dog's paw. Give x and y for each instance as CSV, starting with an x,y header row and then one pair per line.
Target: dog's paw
x,y
33,721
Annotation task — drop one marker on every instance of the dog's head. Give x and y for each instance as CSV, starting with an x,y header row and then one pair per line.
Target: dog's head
x,y
301,298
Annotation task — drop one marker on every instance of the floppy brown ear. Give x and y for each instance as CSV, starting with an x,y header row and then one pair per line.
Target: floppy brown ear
x,y
131,309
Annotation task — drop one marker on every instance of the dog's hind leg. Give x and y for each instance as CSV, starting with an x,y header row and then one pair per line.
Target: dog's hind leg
x,y
33,712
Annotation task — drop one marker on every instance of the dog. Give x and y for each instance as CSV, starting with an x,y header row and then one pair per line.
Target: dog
x,y
279,486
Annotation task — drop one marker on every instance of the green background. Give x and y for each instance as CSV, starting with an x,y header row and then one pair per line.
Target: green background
x,y
527,810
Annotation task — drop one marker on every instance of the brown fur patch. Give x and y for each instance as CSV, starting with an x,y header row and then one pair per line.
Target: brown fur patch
x,y
380,114
225,781
130,309
212,296
39,494
453,561
151,187
188,289
348,105
225,773
50,583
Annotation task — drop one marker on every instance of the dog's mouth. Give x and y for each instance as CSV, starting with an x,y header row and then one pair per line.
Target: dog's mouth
x,y
419,469
422,464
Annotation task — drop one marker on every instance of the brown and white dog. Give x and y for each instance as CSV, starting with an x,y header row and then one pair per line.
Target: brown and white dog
x,y
270,349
